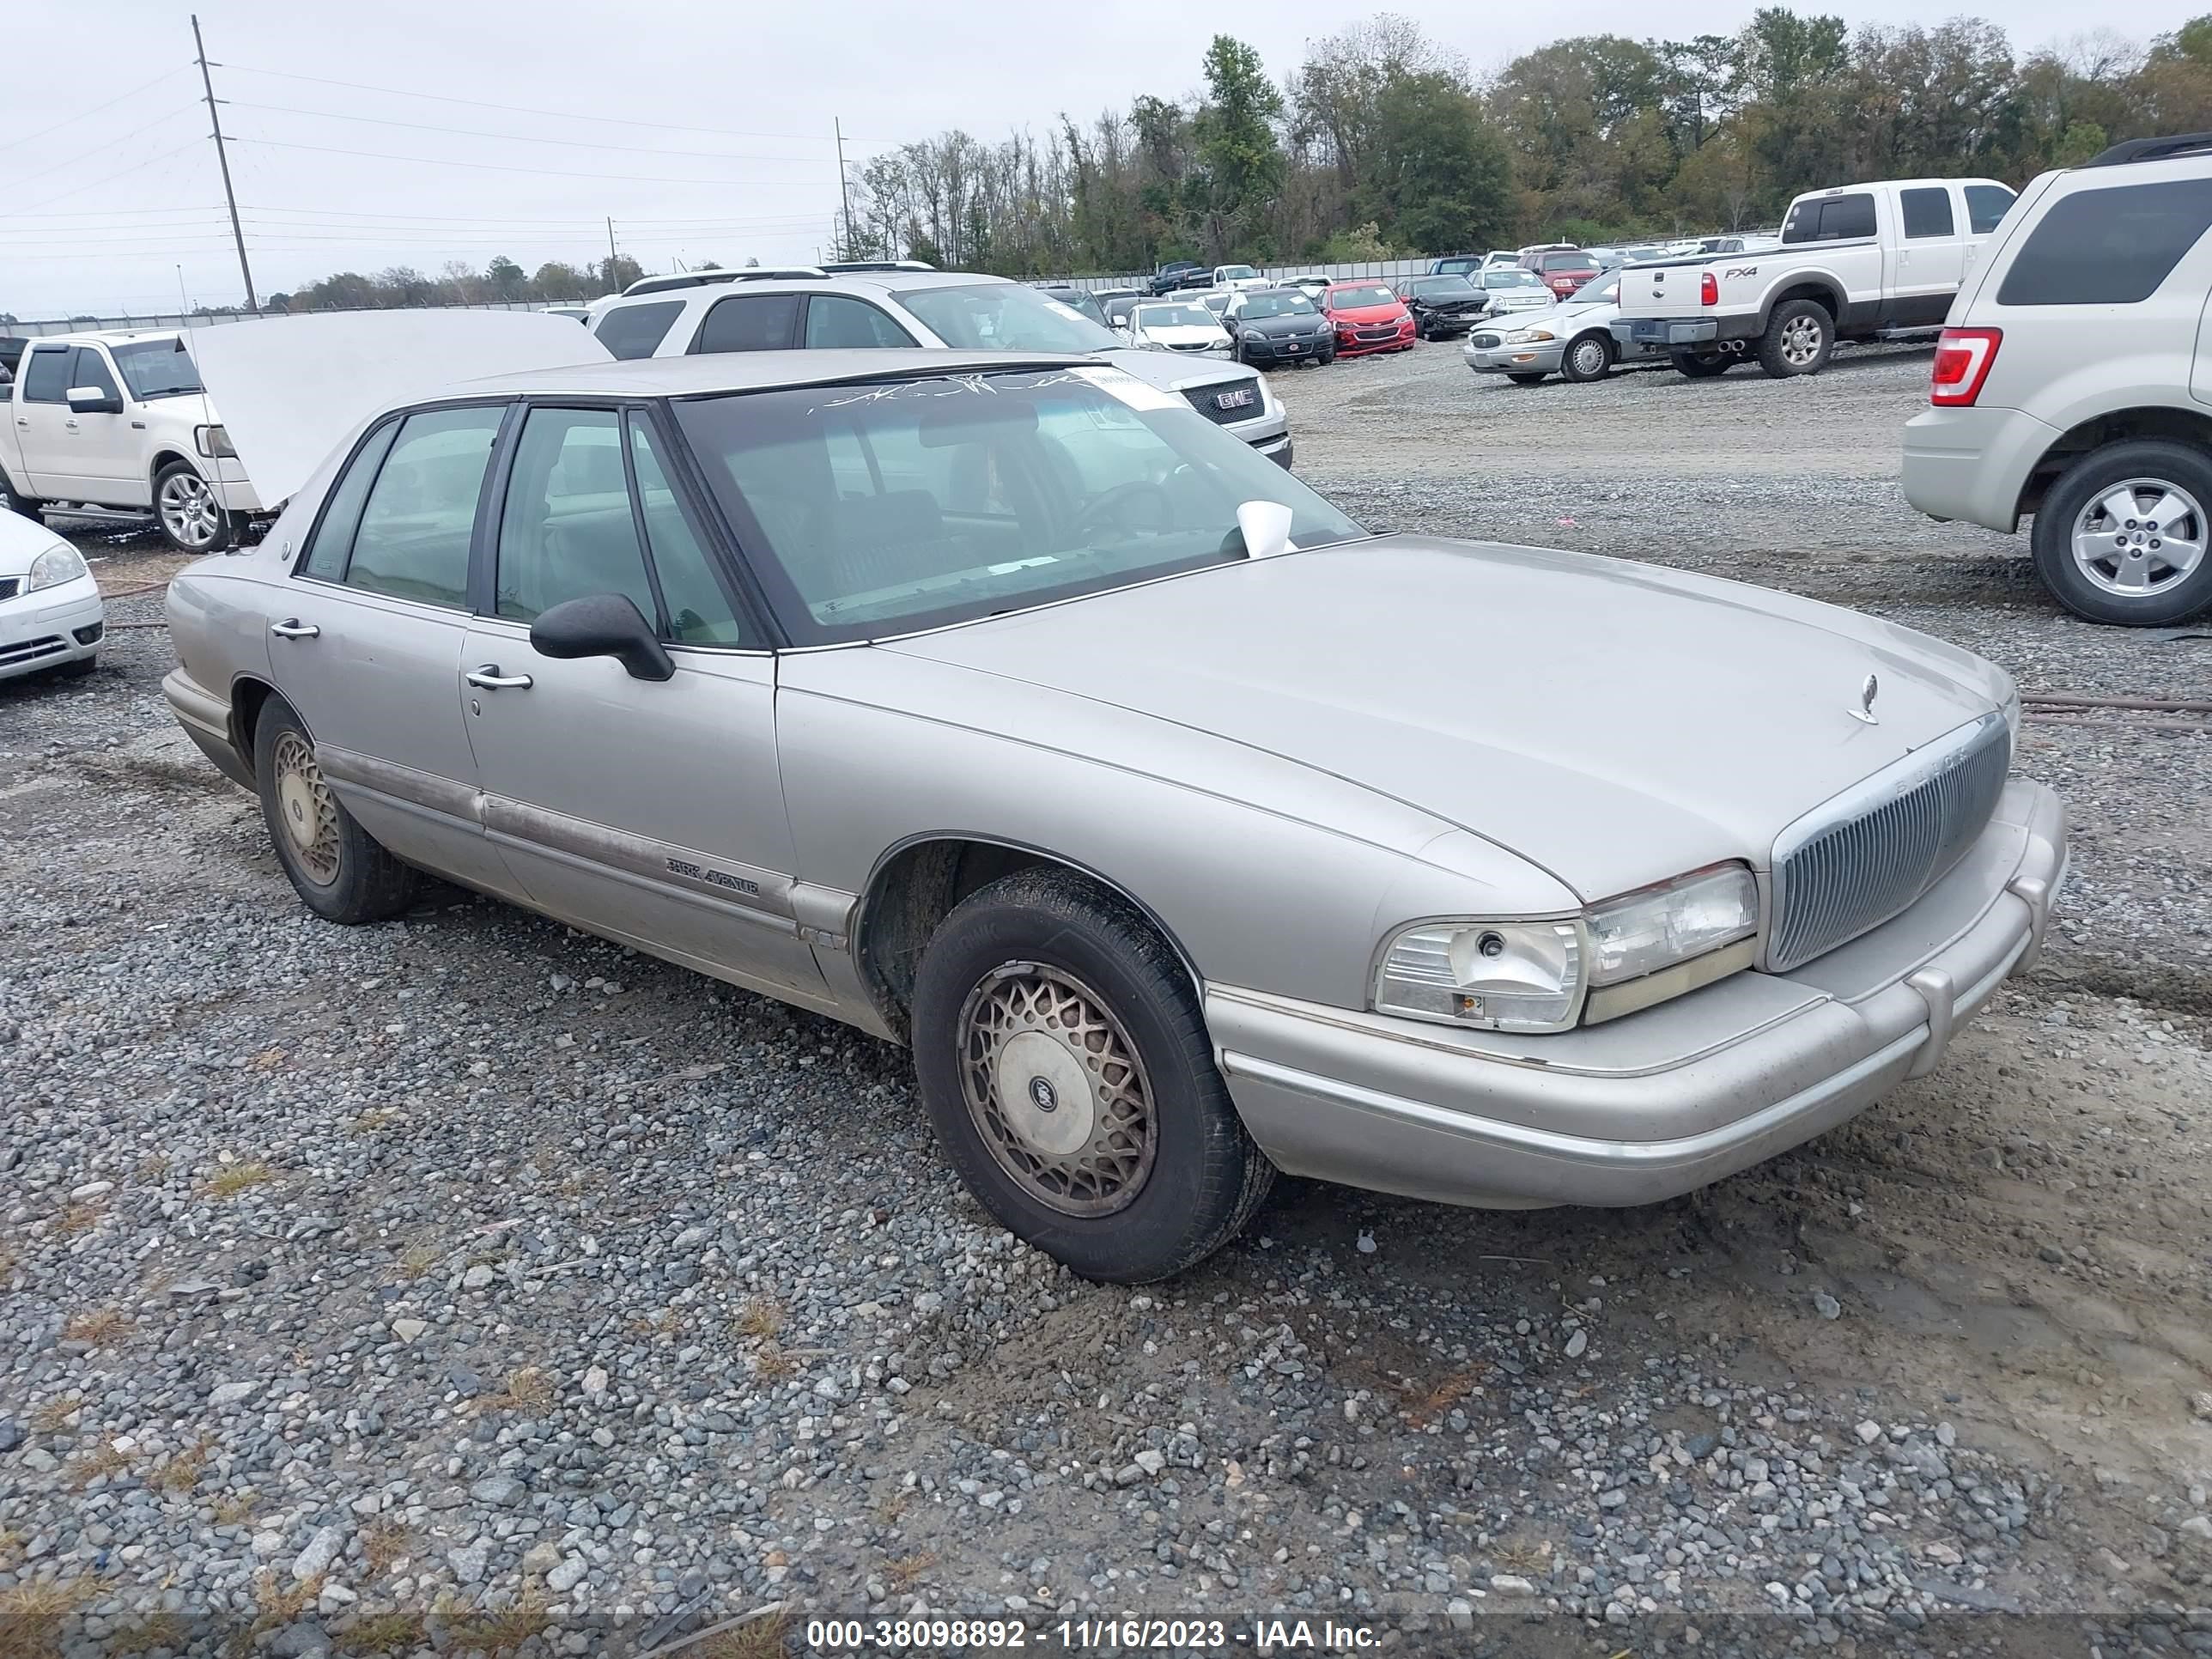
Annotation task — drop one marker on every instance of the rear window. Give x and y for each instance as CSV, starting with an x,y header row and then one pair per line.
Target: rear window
x,y
1986,205
635,331
1567,262
1927,212
2103,247
1830,219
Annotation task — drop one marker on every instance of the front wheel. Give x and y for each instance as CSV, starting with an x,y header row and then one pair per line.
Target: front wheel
x,y
1588,358
1799,339
2121,537
192,519
1063,1059
338,869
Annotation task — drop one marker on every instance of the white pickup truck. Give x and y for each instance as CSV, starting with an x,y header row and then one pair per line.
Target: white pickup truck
x,y
1861,262
116,424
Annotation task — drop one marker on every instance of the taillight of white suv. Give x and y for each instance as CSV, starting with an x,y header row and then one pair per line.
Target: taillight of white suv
x,y
1963,356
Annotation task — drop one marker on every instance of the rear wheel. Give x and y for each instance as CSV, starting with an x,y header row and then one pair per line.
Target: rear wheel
x,y
1799,339
1588,357
1064,1060
2121,536
336,867
1703,365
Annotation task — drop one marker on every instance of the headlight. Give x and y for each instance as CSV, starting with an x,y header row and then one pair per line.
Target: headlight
x,y
2010,709
54,567
1619,955
1524,336
213,441
1494,975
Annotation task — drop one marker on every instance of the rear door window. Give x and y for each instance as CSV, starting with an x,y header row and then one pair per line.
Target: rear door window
x,y
2110,246
749,322
1927,212
47,381
637,330
413,542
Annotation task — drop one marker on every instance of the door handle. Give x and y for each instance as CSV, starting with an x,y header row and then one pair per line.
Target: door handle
x,y
293,628
71,425
491,679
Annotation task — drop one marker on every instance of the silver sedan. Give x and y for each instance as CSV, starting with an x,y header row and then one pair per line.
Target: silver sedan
x,y
1573,338
1185,830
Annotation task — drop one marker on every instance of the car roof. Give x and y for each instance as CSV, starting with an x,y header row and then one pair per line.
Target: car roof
x,y
877,281
106,336
751,371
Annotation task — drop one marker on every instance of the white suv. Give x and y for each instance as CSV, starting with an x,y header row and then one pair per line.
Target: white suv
x,y
2073,383
896,305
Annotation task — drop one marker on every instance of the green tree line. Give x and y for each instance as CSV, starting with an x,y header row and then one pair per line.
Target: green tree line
x,y
1379,143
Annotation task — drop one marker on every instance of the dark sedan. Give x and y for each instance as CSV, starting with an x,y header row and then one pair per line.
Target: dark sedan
x,y
1441,305
1272,326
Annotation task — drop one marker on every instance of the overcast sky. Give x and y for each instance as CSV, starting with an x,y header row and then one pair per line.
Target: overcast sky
x,y
104,210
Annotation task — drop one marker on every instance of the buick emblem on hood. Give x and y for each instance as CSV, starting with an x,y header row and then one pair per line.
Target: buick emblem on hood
x,y
1864,712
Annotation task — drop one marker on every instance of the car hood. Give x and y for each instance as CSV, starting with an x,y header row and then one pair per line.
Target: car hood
x,y
1170,371
292,387
1187,334
1367,316
1614,723
1296,323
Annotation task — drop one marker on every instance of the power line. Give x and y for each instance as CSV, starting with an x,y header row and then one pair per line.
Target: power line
x,y
79,189
522,138
144,126
543,172
85,114
522,109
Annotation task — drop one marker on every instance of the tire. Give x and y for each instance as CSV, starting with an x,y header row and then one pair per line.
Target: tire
x,y
1012,963
79,669
1702,366
1528,379
1800,338
2087,561
1588,357
14,500
343,875
186,512
1328,357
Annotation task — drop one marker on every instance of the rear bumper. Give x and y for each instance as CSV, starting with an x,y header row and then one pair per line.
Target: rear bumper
x,y
1972,463
1664,333
206,720
51,628
1662,1102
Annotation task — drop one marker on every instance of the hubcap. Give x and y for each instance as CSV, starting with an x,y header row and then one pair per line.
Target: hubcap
x,y
305,807
1055,1089
1800,341
1589,357
188,510
2139,538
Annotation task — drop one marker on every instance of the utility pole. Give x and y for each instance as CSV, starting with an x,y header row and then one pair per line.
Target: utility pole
x,y
222,160
612,255
184,299
844,191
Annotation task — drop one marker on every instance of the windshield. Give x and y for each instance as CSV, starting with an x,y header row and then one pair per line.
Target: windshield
x,y
879,510
1353,298
1511,279
1599,291
1174,317
1076,300
1233,273
157,369
1438,287
1284,304
1005,317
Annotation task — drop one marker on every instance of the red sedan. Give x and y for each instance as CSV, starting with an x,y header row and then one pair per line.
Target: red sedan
x,y
1367,317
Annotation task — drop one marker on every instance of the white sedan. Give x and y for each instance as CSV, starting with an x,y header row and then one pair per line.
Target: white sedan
x,y
1178,327
51,616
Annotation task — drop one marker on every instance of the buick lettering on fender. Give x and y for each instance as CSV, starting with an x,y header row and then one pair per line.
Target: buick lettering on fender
x,y
1009,708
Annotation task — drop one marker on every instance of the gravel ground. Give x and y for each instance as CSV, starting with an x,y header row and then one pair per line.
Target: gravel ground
x,y
467,1283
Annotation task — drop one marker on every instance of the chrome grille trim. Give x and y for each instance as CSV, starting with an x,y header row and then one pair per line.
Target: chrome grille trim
x,y
1853,862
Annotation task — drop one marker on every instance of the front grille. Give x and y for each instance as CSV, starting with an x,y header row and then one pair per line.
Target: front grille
x,y
9,584
1487,341
30,650
1206,400
1870,854
1378,331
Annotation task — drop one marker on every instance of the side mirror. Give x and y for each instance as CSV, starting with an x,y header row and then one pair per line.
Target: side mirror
x,y
602,625
1266,526
91,400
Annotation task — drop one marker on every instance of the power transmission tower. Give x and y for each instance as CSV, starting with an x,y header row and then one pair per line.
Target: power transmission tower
x,y
844,191
222,161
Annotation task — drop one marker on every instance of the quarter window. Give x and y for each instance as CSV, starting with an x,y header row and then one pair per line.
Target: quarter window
x,y
46,379
333,537
834,321
413,542
2108,246
637,330
567,529
1830,219
1927,212
749,322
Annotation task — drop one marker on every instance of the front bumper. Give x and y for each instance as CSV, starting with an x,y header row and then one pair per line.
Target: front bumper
x,y
52,627
1537,357
1260,351
1974,463
1358,348
1662,1102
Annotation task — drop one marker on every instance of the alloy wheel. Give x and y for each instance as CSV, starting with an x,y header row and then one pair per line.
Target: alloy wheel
x,y
2139,537
1801,341
1056,1090
188,510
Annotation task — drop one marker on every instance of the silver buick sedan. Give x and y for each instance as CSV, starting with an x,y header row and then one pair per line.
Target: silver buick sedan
x,y
1186,831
